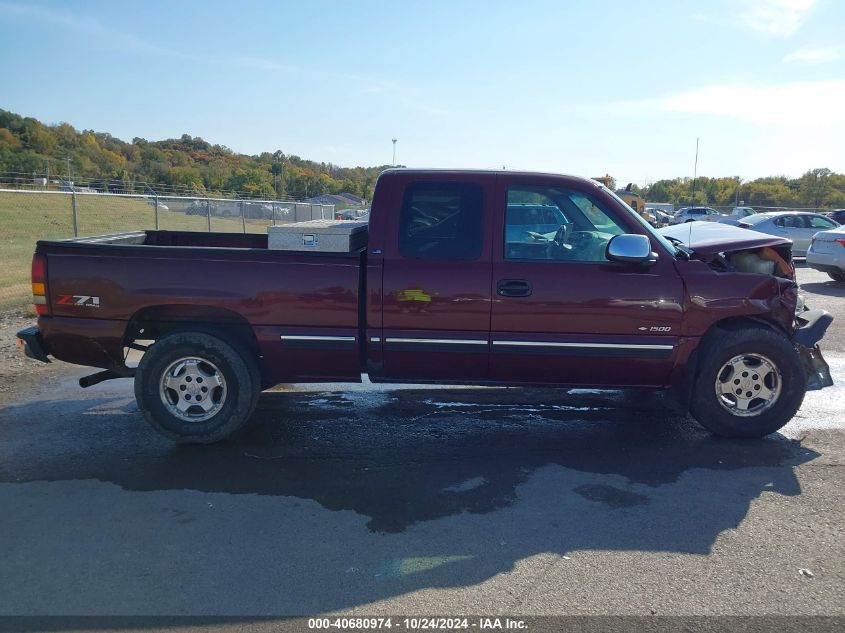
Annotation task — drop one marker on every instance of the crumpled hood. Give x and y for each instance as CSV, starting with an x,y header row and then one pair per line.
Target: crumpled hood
x,y
708,238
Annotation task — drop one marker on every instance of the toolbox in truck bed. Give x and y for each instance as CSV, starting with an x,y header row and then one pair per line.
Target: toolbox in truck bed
x,y
328,236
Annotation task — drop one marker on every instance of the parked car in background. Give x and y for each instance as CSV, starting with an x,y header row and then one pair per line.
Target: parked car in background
x,y
350,214
658,217
735,216
741,212
796,225
692,214
827,253
837,215
533,223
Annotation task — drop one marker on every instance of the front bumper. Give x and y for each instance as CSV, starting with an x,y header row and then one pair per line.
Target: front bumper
x,y
32,345
811,328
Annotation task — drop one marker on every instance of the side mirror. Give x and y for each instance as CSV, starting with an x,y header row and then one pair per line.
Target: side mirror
x,y
630,249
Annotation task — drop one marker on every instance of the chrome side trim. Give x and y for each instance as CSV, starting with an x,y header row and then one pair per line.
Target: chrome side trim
x,y
375,339
438,341
585,345
290,337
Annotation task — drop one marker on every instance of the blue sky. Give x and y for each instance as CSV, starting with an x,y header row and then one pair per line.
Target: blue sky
x,y
588,88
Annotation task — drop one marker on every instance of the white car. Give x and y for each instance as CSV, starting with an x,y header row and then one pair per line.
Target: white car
x,y
741,212
827,253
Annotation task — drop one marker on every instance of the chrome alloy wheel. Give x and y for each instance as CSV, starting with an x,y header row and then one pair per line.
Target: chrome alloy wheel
x,y
748,384
193,389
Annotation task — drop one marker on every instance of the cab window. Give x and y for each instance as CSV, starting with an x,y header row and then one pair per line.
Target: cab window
x,y
554,224
441,221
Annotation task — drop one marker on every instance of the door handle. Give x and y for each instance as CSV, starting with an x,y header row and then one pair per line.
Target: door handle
x,y
513,288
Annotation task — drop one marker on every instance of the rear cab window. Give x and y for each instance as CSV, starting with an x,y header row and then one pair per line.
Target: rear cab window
x,y
442,221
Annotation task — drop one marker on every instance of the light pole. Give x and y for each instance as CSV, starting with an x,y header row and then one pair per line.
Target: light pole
x,y
394,152
736,196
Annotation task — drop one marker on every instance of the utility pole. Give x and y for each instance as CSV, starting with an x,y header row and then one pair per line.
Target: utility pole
x,y
394,152
48,173
68,169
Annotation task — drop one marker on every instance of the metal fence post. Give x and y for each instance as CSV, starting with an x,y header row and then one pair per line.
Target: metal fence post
x,y
208,213
73,208
156,201
274,214
243,217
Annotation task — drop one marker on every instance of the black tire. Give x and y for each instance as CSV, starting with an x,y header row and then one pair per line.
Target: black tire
x,y
838,275
236,396
719,348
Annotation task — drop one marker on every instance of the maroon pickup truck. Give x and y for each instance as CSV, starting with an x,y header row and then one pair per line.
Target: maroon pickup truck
x,y
467,277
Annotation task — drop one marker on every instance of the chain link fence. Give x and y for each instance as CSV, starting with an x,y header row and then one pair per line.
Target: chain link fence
x,y
29,216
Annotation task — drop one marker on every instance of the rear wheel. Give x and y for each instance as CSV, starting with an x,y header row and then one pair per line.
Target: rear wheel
x,y
195,388
750,383
838,275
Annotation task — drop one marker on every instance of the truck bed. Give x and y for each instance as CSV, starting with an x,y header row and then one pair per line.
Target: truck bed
x,y
100,287
191,239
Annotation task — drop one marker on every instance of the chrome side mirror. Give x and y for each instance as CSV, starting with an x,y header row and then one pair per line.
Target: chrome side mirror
x,y
630,249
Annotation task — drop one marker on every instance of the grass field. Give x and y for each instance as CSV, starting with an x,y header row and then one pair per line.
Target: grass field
x,y
28,217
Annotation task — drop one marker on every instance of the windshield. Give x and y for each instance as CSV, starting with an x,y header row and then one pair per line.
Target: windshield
x,y
666,243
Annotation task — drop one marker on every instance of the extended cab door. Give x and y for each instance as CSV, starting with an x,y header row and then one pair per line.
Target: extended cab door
x,y
563,313
436,280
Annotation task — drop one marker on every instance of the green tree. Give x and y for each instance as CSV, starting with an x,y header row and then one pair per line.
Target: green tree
x,y
814,186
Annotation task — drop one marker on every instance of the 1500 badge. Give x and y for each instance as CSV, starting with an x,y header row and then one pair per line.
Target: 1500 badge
x,y
83,301
654,328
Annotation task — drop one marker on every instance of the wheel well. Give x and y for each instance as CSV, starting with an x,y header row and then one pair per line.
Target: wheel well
x,y
155,322
729,324
738,323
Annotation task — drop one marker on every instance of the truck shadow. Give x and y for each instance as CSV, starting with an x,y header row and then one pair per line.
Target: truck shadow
x,y
448,487
829,288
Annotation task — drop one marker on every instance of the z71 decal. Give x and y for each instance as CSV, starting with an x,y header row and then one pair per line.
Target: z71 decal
x,y
83,301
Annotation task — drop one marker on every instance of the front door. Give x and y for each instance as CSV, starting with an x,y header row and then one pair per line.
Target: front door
x,y
436,283
563,313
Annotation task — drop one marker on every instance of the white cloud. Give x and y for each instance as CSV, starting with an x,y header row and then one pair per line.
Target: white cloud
x,y
800,104
778,18
819,55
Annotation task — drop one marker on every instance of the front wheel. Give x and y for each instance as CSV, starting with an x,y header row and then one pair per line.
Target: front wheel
x,y
838,275
195,388
749,383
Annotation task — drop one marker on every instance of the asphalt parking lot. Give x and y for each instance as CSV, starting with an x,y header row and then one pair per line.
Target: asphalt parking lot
x,y
438,502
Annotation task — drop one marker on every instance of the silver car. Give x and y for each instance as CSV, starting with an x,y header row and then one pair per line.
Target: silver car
x,y
827,253
798,226
693,214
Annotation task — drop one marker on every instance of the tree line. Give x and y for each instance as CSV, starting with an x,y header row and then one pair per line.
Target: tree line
x,y
817,188
187,164
194,166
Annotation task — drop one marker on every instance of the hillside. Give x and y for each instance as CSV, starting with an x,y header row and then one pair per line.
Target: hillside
x,y
190,165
